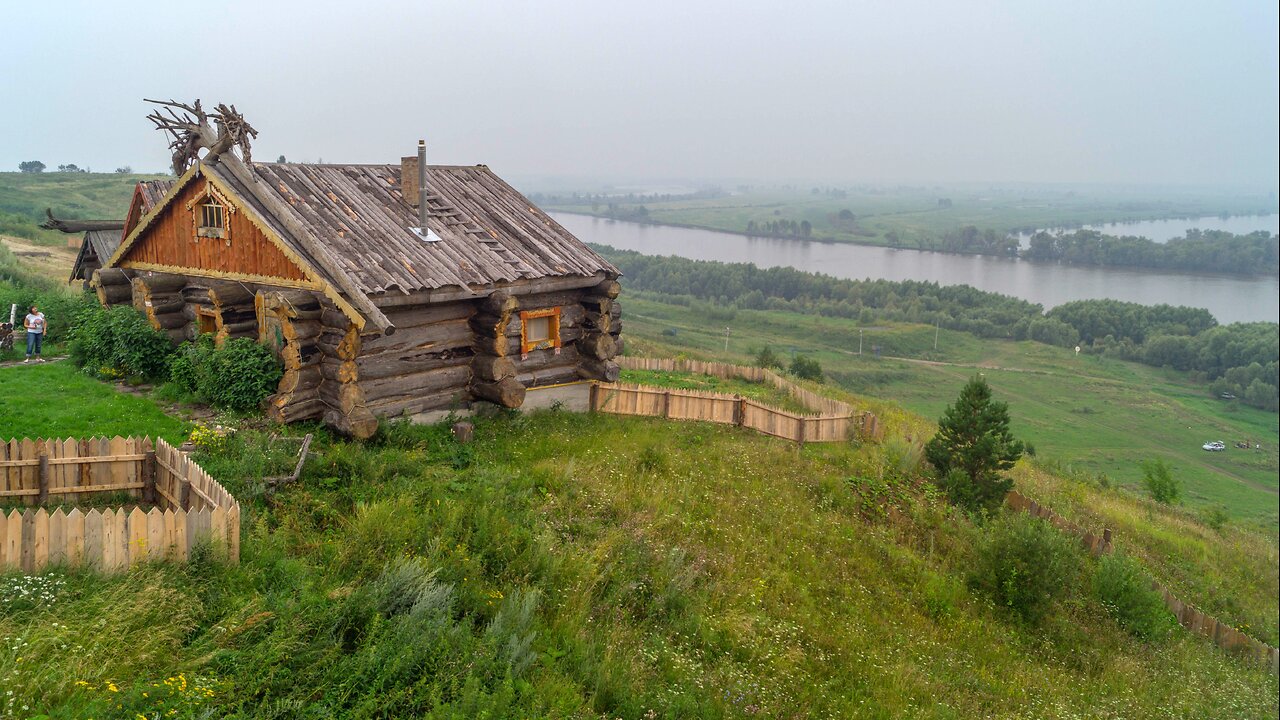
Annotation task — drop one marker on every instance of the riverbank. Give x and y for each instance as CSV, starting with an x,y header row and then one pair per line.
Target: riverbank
x,y
1083,247
1229,299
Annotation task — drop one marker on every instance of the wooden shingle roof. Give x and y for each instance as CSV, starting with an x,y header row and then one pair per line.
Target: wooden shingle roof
x,y
489,233
103,243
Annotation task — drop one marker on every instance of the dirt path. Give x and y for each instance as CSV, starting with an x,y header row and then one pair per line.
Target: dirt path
x,y
52,261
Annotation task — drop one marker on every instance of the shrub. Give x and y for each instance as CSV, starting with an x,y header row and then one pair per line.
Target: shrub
x,y
806,368
1158,478
238,375
1024,564
1125,591
185,364
119,341
767,358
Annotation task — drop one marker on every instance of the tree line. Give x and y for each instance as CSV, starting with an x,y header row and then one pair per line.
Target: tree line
x,y
1239,359
1200,250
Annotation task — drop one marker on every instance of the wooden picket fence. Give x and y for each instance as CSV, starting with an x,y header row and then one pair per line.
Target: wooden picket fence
x,y
1219,633
830,421
187,506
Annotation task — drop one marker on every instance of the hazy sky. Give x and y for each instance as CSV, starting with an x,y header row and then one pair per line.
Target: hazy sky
x,y
1081,91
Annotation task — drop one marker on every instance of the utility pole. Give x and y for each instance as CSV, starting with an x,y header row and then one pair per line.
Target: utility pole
x,y
935,334
726,339
859,341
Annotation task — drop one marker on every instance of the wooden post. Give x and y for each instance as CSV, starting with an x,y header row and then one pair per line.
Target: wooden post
x,y
44,477
666,404
592,395
801,438
1106,537
149,478
184,492
740,412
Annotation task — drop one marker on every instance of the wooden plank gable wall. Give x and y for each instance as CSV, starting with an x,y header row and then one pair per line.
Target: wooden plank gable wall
x,y
171,244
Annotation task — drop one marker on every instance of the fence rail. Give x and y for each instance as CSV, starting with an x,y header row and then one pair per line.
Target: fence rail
x,y
187,506
1219,633
830,420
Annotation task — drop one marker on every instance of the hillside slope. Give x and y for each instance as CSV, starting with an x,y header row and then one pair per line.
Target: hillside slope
x,y
591,566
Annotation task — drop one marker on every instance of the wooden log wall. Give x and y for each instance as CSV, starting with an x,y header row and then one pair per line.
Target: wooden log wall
x,y
339,345
113,286
598,344
158,296
289,321
493,373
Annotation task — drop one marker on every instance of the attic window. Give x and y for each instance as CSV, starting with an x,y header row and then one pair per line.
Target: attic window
x,y
213,220
539,329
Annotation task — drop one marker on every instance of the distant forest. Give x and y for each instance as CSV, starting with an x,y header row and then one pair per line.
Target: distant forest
x,y
1240,359
1257,253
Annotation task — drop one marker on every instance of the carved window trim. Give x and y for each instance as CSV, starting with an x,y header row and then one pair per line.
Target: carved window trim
x,y
528,343
202,206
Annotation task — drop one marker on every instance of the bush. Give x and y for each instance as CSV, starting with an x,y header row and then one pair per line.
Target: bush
x,y
767,358
806,368
1125,591
1024,564
185,364
119,341
238,375
1159,481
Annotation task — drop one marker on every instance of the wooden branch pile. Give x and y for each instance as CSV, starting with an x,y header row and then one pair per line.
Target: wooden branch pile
x,y
188,506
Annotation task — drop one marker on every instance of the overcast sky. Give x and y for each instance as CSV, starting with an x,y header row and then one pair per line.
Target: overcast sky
x,y
1082,91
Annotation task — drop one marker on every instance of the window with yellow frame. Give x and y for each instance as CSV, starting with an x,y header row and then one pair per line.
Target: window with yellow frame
x,y
539,329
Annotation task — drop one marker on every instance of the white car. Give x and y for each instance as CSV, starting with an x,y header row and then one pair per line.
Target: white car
x,y
1215,446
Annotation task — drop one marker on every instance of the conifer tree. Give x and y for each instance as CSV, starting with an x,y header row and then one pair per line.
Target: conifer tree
x,y
972,447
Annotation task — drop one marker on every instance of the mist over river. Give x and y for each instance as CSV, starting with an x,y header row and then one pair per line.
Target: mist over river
x,y
1229,298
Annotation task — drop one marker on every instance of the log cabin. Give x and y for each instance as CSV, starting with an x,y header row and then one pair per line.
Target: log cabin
x,y
102,237
386,290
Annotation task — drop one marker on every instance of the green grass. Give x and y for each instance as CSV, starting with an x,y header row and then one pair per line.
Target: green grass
x,y
592,566
915,216
1097,415
82,196
55,399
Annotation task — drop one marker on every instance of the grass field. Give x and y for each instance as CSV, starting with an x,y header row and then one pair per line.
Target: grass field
x,y
579,566
55,399
83,196
1096,415
915,215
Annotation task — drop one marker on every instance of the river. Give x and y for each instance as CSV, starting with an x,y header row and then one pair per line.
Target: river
x,y
1162,231
1230,299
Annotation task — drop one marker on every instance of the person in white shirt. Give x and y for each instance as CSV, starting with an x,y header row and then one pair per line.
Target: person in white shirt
x,y
35,325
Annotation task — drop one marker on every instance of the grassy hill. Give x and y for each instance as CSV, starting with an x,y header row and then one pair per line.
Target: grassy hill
x,y
1099,416
593,566
83,196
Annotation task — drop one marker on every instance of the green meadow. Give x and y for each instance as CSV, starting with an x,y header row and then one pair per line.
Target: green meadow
x,y
1095,415
591,566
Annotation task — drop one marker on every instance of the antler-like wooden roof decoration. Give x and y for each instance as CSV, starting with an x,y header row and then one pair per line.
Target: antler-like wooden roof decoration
x,y
191,131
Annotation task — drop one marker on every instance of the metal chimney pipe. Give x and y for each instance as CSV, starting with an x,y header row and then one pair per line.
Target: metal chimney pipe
x,y
422,185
